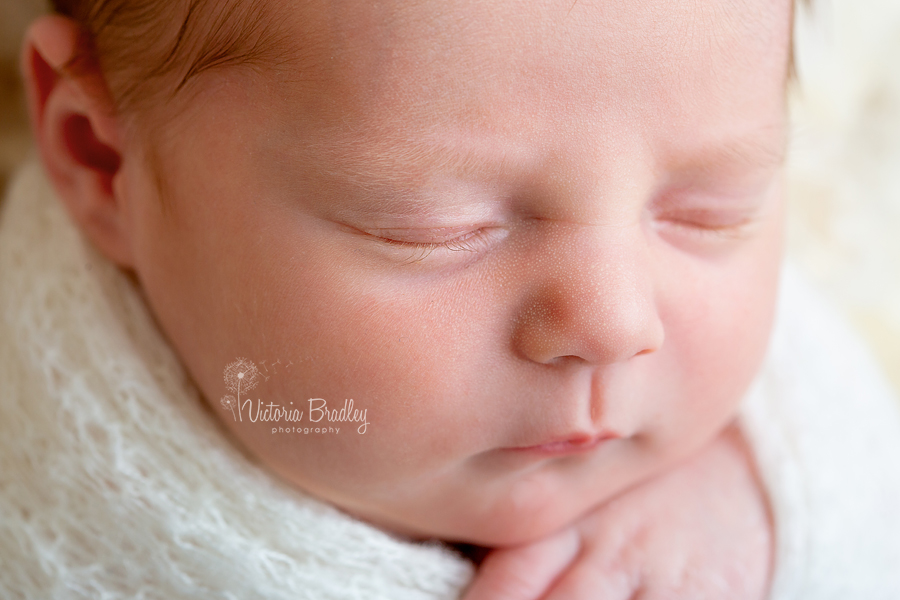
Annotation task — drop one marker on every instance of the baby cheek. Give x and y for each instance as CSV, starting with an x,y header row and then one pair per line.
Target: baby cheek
x,y
716,334
402,354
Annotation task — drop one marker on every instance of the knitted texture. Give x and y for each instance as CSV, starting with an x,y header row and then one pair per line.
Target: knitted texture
x,y
116,481
825,429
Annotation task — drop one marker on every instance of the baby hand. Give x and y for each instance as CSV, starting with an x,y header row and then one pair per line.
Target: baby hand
x,y
700,531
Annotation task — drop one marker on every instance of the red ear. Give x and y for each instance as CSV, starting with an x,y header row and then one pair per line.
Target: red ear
x,y
87,149
45,77
48,47
75,128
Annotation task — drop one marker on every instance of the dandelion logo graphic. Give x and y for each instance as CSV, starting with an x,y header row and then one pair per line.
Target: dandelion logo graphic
x,y
240,376
229,402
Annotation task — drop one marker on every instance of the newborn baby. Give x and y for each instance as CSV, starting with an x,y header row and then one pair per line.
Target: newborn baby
x,y
530,248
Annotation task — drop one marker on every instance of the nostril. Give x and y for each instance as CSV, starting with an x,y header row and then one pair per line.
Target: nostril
x,y
568,359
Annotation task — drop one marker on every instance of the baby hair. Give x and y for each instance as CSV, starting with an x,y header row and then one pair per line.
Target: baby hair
x,y
148,50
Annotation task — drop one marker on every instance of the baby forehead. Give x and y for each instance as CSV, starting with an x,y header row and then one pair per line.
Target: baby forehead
x,y
462,57
363,83
401,34
393,71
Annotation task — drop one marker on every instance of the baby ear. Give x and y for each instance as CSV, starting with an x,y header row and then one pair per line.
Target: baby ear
x,y
76,130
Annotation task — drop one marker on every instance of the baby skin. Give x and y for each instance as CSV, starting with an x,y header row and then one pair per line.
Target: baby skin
x,y
537,241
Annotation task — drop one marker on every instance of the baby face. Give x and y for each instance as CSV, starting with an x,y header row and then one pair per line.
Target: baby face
x,y
537,242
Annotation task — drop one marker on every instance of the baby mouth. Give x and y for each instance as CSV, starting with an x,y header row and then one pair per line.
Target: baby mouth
x,y
573,445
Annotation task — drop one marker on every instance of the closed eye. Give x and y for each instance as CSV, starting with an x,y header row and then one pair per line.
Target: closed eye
x,y
468,242
418,245
726,225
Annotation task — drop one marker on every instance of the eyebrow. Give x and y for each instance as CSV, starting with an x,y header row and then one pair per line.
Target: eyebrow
x,y
448,157
756,151
396,189
392,191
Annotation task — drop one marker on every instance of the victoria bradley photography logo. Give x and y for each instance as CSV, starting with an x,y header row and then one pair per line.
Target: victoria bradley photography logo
x,y
242,376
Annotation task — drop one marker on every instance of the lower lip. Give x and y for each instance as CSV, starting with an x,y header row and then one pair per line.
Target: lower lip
x,y
563,448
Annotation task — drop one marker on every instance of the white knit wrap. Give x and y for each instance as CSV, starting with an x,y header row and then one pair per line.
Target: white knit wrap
x,y
116,481
825,428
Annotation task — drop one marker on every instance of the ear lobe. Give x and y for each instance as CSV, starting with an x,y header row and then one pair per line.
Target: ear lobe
x,y
74,125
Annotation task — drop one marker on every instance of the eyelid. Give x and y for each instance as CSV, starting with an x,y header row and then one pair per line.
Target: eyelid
x,y
423,242
424,235
705,218
730,231
734,192
709,228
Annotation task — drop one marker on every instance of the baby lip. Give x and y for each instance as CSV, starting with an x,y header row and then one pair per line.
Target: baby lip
x,y
572,444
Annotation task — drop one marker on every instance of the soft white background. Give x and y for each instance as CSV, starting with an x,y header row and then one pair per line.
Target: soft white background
x,y
844,224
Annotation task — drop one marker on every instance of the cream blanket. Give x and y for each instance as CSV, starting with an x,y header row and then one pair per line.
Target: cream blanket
x,y
825,428
115,481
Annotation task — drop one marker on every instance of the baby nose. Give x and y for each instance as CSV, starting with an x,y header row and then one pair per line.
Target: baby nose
x,y
592,298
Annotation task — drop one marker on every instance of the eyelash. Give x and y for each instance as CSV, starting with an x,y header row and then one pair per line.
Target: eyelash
x,y
730,231
468,242
473,241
